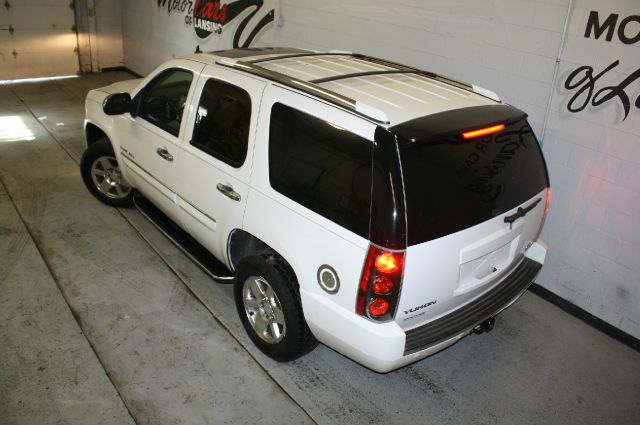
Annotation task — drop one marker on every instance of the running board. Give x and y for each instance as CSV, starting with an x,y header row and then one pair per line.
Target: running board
x,y
185,242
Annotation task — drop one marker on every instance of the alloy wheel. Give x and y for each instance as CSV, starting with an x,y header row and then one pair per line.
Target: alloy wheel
x,y
263,309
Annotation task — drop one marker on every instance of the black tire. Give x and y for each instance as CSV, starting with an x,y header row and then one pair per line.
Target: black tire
x,y
109,187
297,339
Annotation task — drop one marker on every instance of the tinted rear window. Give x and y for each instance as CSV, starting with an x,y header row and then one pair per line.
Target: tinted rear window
x,y
321,166
451,184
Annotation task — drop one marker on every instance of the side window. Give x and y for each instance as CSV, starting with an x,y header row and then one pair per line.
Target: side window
x,y
222,122
321,166
164,98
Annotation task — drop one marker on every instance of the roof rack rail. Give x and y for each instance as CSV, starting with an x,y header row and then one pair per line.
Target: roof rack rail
x,y
357,107
300,55
313,86
378,61
428,74
358,74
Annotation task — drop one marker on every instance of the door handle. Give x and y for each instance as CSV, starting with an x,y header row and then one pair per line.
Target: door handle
x,y
228,191
164,153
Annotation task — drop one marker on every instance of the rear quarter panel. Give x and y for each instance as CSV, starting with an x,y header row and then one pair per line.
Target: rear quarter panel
x,y
304,238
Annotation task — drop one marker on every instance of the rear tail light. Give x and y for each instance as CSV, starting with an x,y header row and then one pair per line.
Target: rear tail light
x,y
547,202
387,262
378,307
380,284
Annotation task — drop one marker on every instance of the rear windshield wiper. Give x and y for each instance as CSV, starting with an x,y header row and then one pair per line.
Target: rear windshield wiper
x,y
521,212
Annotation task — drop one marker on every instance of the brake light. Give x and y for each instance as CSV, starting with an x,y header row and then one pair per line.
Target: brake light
x,y
388,262
380,283
382,286
483,131
547,202
378,307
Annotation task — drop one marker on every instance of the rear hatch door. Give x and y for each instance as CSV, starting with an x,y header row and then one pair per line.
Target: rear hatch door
x,y
473,206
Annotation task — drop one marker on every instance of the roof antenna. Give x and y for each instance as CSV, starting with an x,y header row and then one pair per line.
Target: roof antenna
x,y
198,49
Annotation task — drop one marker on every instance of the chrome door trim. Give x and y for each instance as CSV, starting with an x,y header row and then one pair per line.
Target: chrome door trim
x,y
198,219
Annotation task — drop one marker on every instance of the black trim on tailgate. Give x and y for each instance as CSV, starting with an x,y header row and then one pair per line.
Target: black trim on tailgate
x,y
475,312
388,224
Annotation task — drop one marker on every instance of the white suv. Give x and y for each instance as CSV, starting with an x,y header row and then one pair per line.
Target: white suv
x,y
382,210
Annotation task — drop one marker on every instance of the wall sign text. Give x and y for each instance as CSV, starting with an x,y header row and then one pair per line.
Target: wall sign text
x,y
211,16
584,81
628,28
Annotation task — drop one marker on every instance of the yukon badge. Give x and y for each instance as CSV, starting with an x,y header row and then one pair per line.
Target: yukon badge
x,y
420,307
328,279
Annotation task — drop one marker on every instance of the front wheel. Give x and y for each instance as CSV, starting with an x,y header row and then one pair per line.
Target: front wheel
x,y
102,176
268,302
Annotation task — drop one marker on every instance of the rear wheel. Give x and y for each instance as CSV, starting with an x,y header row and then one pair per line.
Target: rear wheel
x,y
268,303
102,176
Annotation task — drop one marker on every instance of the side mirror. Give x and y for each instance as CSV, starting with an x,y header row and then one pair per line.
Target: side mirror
x,y
116,104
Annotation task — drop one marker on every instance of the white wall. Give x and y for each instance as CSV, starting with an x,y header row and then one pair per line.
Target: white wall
x,y
511,47
594,161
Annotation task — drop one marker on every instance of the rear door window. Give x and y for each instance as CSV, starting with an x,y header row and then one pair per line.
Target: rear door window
x,y
451,184
321,166
222,122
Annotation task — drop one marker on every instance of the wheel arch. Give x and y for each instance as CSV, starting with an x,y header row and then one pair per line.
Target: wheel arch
x,y
242,244
299,338
93,133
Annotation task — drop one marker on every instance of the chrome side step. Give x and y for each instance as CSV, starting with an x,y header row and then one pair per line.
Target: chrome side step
x,y
187,244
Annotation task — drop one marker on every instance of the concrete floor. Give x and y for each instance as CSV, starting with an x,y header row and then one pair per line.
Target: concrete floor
x,y
103,321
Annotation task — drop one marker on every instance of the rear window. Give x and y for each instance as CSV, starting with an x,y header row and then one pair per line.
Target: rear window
x,y
321,166
451,184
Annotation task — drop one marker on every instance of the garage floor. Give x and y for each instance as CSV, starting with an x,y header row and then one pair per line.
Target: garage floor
x,y
104,321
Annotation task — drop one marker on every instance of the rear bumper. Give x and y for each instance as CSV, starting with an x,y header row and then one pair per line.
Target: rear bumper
x,y
473,313
384,347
